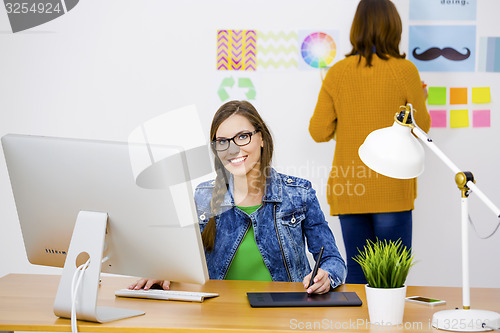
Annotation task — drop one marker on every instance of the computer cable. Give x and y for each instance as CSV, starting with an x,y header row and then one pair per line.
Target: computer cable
x,y
478,235
75,284
484,325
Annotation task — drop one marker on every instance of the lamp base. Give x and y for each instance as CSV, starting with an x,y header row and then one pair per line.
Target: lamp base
x,y
461,320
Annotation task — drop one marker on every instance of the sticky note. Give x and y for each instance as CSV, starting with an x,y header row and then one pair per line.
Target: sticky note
x,y
459,118
481,118
438,118
458,95
481,95
437,96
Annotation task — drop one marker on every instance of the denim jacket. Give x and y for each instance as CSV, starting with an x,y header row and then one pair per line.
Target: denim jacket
x,y
290,214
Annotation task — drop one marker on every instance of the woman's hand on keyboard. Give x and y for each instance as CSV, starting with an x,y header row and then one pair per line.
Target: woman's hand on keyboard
x,y
148,283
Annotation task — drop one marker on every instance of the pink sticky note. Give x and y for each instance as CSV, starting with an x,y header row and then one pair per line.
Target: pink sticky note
x,y
438,118
481,118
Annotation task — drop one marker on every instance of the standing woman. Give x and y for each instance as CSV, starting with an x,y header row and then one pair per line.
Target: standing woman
x,y
360,94
254,220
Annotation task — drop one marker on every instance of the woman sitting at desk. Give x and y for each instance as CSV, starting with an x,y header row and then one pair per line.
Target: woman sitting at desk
x,y
254,220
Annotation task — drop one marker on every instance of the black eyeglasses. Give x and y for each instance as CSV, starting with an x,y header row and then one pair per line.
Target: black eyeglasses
x,y
241,139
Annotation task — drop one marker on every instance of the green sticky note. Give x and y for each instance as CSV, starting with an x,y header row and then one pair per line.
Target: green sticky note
x,y
459,118
437,96
481,95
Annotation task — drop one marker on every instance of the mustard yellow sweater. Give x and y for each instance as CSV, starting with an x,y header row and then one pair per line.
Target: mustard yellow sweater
x,y
355,100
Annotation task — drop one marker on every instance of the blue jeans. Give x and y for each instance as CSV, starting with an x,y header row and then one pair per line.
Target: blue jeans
x,y
358,228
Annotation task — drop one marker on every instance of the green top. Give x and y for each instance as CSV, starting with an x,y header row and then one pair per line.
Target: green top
x,y
247,262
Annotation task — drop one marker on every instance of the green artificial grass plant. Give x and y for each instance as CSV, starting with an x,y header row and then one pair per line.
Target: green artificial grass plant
x,y
385,264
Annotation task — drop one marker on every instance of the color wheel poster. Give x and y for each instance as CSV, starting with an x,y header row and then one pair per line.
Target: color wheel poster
x,y
317,49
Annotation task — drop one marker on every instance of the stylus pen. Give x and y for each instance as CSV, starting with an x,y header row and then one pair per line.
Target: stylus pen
x,y
316,266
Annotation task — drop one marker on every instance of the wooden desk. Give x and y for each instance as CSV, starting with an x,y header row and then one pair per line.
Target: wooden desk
x,y
26,305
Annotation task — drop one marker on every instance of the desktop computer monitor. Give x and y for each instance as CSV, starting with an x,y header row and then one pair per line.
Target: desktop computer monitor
x,y
80,199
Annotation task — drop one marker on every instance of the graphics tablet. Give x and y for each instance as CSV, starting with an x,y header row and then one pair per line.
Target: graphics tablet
x,y
299,299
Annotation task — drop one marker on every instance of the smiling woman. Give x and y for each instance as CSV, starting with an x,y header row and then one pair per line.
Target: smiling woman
x,y
254,221
243,156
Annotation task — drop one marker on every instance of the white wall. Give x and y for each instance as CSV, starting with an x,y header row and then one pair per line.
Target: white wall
x,y
107,66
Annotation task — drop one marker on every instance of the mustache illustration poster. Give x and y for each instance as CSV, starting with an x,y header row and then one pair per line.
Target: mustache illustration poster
x,y
435,52
443,48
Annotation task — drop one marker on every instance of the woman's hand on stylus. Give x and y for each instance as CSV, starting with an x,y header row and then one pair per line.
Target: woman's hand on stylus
x,y
148,283
321,283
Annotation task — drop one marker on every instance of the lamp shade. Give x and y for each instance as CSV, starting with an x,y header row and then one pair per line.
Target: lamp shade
x,y
393,152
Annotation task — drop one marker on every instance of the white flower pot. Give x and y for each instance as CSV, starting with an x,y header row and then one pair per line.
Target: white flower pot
x,y
385,305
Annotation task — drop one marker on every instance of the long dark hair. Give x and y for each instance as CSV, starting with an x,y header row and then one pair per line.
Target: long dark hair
x,y
376,28
248,111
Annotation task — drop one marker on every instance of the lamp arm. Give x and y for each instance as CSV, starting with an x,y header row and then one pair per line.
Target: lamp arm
x,y
430,144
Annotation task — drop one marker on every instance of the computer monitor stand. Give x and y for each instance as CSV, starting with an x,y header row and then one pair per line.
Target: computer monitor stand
x,y
87,241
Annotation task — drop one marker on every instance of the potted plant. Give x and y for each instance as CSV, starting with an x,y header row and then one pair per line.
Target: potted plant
x,y
385,265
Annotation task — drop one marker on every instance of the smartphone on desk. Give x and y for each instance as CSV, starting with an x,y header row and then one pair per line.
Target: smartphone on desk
x,y
425,300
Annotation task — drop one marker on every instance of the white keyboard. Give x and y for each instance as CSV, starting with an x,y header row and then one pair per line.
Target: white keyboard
x,y
167,295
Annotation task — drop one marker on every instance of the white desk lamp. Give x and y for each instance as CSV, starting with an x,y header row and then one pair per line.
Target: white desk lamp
x,y
394,152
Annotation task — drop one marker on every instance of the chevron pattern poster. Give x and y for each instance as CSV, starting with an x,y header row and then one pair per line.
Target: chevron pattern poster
x,y
277,50
237,50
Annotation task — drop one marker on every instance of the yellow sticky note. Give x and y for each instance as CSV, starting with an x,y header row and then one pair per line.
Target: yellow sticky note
x,y
458,95
481,95
459,118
